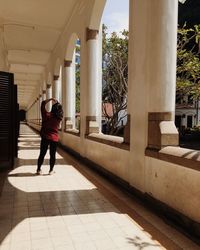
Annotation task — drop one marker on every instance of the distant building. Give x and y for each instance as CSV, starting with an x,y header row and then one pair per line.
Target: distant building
x,y
187,112
187,109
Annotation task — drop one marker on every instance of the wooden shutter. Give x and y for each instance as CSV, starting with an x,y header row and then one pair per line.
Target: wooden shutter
x,y
15,120
6,120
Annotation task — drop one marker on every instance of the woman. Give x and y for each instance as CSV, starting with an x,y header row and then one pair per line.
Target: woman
x,y
49,132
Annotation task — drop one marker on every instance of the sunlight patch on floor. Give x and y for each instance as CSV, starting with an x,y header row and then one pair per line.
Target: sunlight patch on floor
x,y
65,178
33,154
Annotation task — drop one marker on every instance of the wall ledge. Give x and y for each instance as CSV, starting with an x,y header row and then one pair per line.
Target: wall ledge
x,y
75,132
114,141
181,156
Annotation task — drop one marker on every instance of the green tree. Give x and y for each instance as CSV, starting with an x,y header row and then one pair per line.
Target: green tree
x,y
115,71
188,62
77,88
115,78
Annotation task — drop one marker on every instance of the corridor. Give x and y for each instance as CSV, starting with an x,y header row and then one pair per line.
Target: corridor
x,y
74,209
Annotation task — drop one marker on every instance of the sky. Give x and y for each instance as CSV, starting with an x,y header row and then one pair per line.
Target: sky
x,y
115,15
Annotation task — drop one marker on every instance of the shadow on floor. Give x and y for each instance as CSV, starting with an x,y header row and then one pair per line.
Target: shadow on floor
x,y
67,203
138,242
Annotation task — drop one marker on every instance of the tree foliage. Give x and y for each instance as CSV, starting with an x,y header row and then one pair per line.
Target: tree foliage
x,y
188,62
77,88
115,78
77,75
115,71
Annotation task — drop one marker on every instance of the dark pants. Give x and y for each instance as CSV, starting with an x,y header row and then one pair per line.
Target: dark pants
x,y
43,149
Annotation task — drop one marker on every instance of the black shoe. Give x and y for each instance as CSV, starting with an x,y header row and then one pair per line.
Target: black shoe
x,y
39,172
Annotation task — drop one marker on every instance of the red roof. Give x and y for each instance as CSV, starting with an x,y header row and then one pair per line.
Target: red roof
x,y
107,108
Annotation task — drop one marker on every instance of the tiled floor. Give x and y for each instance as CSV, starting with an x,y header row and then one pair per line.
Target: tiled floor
x,y
74,209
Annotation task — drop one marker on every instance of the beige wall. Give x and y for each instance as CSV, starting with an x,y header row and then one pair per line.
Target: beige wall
x,y
176,186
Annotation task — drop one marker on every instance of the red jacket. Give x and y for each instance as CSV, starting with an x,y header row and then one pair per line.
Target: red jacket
x,y
50,124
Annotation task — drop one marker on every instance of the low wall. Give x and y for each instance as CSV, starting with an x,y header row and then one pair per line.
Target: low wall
x,y
169,181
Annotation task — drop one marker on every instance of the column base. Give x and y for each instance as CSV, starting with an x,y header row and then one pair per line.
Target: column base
x,y
161,130
91,125
68,123
127,130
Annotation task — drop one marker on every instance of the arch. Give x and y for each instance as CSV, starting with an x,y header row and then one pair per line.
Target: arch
x,y
71,46
96,15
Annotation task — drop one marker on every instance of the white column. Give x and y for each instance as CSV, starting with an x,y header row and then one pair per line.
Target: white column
x,y
69,72
40,102
152,49
93,81
49,91
162,72
69,95
152,72
60,87
48,96
43,94
69,92
99,90
38,109
56,87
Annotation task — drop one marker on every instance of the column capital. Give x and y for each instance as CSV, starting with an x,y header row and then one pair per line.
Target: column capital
x,y
55,77
48,86
40,95
91,34
43,91
67,63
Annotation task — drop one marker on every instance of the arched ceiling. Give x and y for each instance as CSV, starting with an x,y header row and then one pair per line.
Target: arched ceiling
x,y
31,29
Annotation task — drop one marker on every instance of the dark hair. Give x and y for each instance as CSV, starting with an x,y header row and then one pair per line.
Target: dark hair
x,y
57,110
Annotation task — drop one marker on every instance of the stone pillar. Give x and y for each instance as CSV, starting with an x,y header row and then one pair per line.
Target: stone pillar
x,y
92,125
68,94
162,74
43,95
48,96
56,87
152,78
99,90
40,102
38,109
68,87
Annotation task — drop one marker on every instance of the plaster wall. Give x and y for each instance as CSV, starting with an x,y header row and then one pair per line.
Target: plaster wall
x,y
174,185
112,159
3,64
71,141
